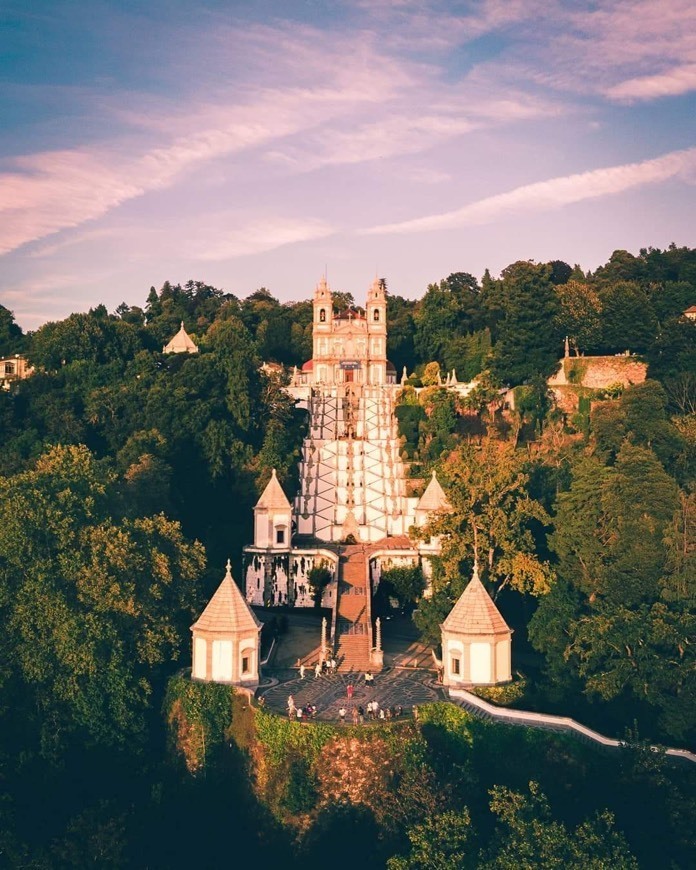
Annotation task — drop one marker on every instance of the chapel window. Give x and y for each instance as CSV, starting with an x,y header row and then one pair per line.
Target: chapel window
x,y
455,665
322,315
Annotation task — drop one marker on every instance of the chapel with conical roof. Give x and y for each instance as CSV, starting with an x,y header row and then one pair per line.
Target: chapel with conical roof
x,y
181,343
476,640
226,638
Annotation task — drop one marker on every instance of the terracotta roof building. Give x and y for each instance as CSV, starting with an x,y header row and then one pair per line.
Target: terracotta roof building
x,y
476,640
226,638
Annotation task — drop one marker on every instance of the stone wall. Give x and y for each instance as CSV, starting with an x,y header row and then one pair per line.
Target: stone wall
x,y
578,375
599,372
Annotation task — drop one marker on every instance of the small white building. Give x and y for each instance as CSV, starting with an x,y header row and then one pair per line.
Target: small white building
x,y
14,368
273,517
476,641
226,638
181,343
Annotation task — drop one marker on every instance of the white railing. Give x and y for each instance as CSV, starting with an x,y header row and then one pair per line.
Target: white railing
x,y
552,723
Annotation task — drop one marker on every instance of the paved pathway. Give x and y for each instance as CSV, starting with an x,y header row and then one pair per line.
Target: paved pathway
x,y
391,688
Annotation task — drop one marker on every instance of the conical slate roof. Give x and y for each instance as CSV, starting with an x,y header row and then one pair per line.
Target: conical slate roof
x,y
227,611
475,613
434,498
181,343
273,497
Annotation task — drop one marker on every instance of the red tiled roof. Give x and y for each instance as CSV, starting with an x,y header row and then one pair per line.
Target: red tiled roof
x,y
227,611
475,613
308,366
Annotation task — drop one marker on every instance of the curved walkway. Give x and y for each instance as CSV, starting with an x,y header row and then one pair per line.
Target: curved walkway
x,y
407,681
397,688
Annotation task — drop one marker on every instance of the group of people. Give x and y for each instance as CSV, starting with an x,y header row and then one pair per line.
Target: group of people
x,y
372,711
327,666
309,711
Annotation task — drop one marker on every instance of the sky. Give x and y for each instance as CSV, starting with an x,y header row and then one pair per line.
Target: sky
x,y
267,143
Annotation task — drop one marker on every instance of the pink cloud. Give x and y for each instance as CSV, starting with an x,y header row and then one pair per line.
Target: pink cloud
x,y
679,80
554,193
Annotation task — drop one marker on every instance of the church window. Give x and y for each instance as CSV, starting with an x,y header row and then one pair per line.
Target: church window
x,y
322,315
375,316
280,536
455,665
245,665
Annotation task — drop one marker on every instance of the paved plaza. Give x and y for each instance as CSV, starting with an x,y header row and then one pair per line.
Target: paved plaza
x,y
393,688
408,679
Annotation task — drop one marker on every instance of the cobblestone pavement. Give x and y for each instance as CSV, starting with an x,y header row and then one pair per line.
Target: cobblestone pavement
x,y
391,688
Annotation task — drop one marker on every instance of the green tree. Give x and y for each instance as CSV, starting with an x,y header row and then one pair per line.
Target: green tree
x,y
491,520
449,310
628,319
528,838
404,582
580,315
528,342
93,607
438,843
12,339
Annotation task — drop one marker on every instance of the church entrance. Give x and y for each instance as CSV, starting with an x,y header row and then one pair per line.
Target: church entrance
x,y
348,376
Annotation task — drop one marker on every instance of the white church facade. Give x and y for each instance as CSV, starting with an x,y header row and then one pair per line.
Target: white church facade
x,y
352,516
353,482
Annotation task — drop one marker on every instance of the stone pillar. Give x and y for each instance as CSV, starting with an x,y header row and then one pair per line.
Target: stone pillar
x,y
322,657
376,654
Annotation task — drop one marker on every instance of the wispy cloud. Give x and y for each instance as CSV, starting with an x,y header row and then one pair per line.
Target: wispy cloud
x,y
676,81
357,105
554,193
255,237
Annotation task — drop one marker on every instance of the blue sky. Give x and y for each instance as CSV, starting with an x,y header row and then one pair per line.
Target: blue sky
x,y
250,144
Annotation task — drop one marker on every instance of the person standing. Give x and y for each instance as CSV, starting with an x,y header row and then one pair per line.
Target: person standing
x,y
342,714
355,715
302,671
317,670
349,691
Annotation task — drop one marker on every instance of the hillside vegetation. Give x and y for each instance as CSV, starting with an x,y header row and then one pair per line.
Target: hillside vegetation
x,y
128,477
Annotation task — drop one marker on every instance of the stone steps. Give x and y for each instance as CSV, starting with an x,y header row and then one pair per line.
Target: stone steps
x,y
353,630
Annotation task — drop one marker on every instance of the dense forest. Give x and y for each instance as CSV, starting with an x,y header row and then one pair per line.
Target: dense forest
x,y
127,478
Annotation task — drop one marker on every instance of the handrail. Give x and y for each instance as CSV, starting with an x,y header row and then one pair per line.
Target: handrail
x,y
556,723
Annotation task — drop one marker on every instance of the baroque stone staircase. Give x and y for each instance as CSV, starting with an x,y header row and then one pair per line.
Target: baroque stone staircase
x,y
353,628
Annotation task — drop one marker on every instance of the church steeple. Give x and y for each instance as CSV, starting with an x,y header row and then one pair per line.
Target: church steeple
x,y
376,308
323,304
